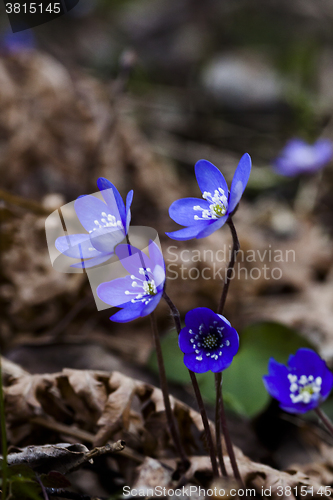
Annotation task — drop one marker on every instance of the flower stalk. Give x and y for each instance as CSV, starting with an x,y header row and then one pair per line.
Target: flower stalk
x,y
39,481
164,387
324,418
220,416
227,439
235,250
218,387
202,409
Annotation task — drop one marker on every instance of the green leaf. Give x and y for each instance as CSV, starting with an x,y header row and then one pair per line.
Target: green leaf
x,y
175,369
259,342
243,388
24,489
21,471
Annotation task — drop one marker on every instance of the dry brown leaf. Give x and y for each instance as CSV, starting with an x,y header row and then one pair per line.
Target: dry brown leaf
x,y
151,474
60,457
89,389
33,280
259,476
117,408
11,370
132,410
321,469
22,397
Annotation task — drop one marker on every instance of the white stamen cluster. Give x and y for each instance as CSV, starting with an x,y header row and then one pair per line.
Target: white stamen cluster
x,y
208,342
217,208
147,285
304,389
107,220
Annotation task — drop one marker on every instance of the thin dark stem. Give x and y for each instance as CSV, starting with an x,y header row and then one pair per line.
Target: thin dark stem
x,y
164,387
202,409
205,422
218,386
163,382
324,418
228,442
174,311
3,439
45,495
235,250
218,380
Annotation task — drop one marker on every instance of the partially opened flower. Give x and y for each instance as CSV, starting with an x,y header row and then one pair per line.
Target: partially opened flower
x,y
107,224
208,341
139,293
302,385
299,157
204,216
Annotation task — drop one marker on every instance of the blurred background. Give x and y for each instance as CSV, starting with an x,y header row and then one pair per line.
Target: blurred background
x,y
137,91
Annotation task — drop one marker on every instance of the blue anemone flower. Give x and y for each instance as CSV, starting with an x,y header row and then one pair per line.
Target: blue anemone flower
x,y
302,385
139,293
299,157
107,225
204,216
208,341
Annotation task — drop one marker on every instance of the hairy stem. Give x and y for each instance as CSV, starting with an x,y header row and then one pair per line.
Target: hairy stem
x,y
202,409
235,250
228,442
218,386
324,418
163,382
219,405
164,387
174,311
205,422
